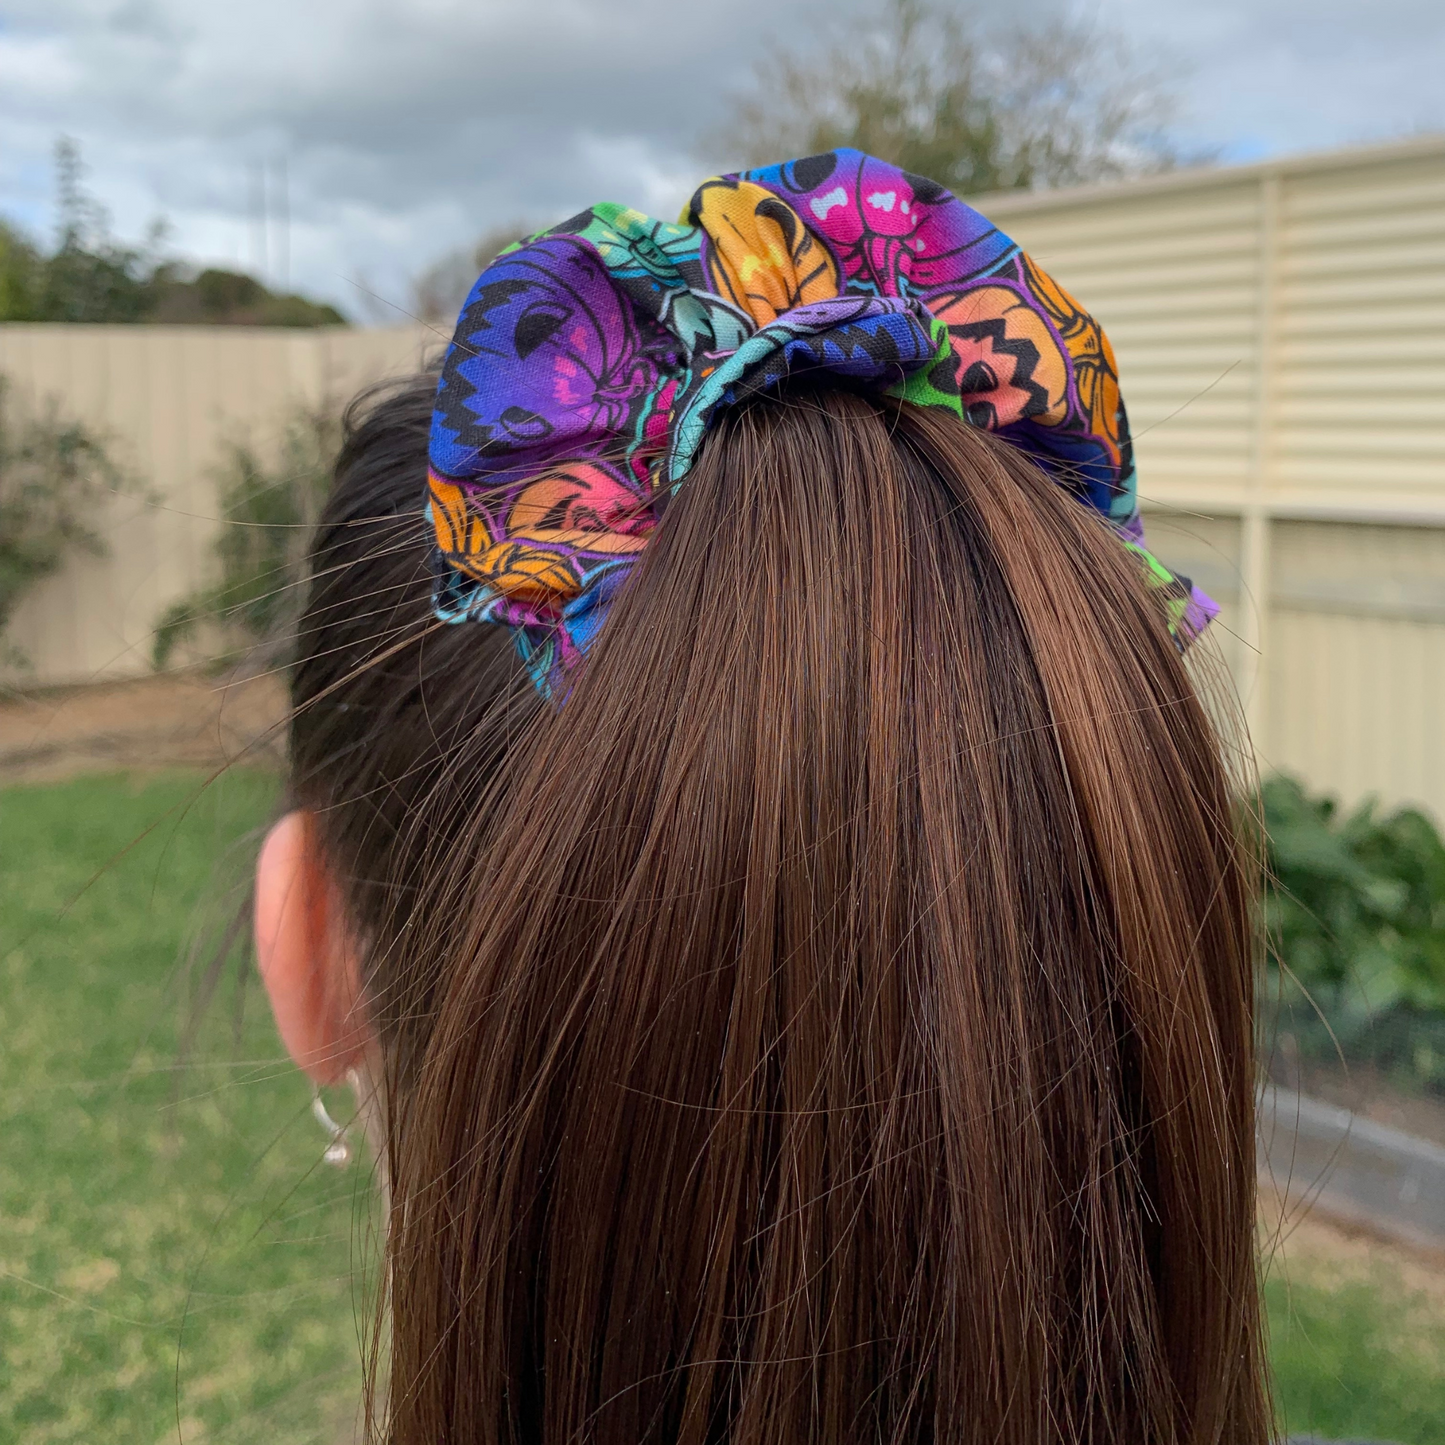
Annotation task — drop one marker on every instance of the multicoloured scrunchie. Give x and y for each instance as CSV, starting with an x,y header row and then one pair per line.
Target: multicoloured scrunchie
x,y
589,360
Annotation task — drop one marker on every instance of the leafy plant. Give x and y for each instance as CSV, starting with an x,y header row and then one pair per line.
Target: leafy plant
x,y
54,475
267,513
1356,910
20,271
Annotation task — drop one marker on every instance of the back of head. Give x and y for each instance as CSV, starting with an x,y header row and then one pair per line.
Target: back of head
x,y
841,1024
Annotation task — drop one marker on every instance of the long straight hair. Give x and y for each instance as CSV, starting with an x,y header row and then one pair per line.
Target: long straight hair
x,y
834,1023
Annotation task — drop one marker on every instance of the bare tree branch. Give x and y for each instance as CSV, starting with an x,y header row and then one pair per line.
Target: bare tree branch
x,y
438,291
934,90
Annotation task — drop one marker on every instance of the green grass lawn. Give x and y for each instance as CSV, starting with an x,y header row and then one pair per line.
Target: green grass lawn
x,y
1359,1359
173,1254
175,1260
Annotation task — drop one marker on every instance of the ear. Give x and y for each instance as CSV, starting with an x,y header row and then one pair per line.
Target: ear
x,y
307,955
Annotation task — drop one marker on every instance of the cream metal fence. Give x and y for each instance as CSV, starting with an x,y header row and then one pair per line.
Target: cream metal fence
x,y
1281,339
1280,331
167,398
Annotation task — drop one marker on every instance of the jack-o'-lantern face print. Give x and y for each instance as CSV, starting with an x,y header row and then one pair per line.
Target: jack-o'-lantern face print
x,y
1011,364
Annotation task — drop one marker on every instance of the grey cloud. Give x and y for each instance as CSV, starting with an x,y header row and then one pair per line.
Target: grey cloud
x,y
1283,75
411,125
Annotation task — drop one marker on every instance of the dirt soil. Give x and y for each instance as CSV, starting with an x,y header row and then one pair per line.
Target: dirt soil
x,y
174,720
1309,1245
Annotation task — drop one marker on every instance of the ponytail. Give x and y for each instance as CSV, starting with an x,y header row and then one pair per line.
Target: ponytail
x,y
838,1025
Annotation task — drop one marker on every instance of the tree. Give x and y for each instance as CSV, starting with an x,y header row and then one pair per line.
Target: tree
x,y
180,297
935,92
20,275
91,276
437,292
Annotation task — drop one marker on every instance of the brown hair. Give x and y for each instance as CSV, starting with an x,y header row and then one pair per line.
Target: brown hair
x,y
834,1024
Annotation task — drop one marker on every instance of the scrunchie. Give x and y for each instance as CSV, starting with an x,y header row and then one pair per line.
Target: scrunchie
x,y
589,360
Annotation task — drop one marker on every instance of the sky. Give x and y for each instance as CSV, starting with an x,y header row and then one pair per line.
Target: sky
x,y
407,127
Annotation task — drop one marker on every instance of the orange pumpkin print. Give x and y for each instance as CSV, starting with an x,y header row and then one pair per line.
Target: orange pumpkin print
x,y
584,506
1009,360
762,257
459,531
1096,373
531,575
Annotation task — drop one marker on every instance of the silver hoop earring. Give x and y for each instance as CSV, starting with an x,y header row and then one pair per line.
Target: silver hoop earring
x,y
338,1151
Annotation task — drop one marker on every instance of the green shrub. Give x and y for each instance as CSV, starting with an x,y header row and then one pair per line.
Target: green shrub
x,y
267,514
1356,911
54,476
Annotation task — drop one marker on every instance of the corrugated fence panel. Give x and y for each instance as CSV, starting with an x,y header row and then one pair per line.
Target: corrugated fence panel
x,y
1357,659
351,360
166,399
1173,275
1361,303
1281,340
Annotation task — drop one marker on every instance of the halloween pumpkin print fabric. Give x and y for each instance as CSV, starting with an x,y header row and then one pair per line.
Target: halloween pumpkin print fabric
x,y
589,360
